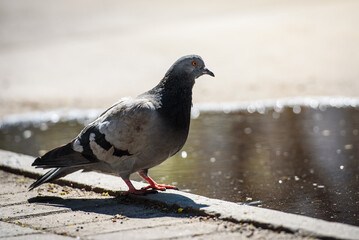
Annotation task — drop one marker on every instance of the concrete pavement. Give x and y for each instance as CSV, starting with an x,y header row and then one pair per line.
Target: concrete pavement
x,y
62,212
53,209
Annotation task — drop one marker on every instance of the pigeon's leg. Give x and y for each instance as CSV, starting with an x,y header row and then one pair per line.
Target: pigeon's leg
x,y
133,190
153,184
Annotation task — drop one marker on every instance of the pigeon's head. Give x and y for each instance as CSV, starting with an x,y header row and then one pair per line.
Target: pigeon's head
x,y
188,67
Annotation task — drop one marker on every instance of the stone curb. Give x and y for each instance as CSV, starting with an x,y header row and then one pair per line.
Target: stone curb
x,y
265,218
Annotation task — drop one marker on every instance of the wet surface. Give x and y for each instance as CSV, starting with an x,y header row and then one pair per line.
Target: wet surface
x,y
299,160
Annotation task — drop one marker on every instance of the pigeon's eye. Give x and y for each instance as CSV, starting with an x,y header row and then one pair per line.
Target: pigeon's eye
x,y
194,63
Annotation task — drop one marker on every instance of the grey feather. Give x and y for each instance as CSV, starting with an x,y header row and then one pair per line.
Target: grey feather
x,y
52,175
63,156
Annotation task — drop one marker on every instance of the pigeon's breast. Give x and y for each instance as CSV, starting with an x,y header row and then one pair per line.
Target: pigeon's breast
x,y
163,143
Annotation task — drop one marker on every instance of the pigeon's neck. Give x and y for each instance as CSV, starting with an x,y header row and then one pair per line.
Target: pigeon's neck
x,y
176,103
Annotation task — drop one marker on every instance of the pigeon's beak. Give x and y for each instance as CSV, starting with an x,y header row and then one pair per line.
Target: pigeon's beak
x,y
206,71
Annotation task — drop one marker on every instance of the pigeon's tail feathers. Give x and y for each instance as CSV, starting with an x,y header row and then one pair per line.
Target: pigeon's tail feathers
x,y
52,175
63,156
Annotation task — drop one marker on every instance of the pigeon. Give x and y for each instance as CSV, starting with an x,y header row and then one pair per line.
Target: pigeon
x,y
133,135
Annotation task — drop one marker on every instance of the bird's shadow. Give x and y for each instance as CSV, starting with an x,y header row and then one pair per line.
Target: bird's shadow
x,y
164,204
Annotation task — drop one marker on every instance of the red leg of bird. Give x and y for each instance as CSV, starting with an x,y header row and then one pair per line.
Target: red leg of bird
x,y
133,190
155,185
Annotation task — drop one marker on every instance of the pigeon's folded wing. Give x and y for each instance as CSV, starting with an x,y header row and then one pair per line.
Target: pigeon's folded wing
x,y
120,132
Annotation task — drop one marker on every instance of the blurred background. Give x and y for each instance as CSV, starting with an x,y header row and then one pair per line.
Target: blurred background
x,y
90,53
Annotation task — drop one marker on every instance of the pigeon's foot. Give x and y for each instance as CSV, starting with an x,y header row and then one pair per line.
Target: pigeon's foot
x,y
133,190
161,187
153,185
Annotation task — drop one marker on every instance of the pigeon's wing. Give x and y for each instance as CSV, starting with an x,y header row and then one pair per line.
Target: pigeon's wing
x,y
119,133
63,156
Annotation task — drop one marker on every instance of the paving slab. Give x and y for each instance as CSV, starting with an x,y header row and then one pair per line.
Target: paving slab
x,y
117,224
243,231
40,236
15,180
178,230
83,215
12,198
242,235
171,199
8,230
43,194
24,210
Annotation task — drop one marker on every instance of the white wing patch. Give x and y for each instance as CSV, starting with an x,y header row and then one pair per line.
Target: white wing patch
x,y
99,152
76,146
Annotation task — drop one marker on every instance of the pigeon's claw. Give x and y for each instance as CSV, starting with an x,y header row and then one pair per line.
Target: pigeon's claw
x,y
161,187
156,187
168,186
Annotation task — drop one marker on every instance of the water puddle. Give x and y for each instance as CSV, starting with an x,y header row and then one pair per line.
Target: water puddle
x,y
297,159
